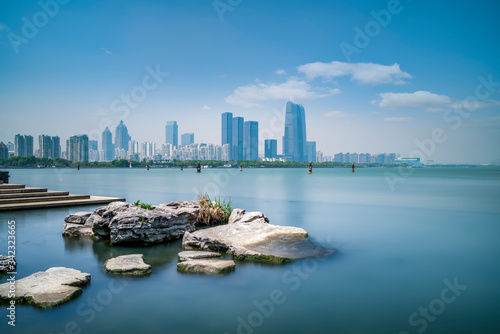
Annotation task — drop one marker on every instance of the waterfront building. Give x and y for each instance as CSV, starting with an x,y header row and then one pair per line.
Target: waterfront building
x,y
251,141
23,145
311,151
172,133
187,139
237,139
270,149
107,145
78,148
294,139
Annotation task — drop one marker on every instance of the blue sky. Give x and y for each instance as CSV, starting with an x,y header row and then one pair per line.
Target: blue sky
x,y
416,72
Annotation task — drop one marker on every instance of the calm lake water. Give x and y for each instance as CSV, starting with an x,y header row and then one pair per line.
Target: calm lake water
x,y
416,251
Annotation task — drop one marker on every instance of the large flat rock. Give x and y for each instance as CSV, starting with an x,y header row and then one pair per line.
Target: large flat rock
x,y
46,289
196,255
206,266
132,264
249,236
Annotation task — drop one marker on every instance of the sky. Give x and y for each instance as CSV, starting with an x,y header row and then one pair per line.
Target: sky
x,y
418,78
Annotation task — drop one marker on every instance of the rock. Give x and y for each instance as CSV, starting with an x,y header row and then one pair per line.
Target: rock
x,y
75,227
194,255
47,289
210,267
132,264
251,237
239,215
7,264
129,224
77,218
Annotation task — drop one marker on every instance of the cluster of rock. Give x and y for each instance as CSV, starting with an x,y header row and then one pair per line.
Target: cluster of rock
x,y
125,223
46,289
7,264
204,262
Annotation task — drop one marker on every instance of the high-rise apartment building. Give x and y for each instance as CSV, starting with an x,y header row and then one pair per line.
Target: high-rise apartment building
x,y
227,131
49,147
311,151
23,146
4,151
78,148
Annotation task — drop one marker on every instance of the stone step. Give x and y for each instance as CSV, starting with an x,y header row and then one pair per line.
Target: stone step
x,y
34,194
43,199
22,190
11,186
93,200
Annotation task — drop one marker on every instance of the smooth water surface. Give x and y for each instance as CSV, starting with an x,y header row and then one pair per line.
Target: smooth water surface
x,y
402,238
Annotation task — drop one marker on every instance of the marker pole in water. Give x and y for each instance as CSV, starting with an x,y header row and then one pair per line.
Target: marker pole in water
x,y
198,168
310,168
181,166
353,168
147,167
78,167
241,168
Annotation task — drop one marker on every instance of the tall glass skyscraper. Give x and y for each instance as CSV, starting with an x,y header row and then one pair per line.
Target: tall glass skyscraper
x,y
172,134
294,140
271,149
121,136
187,139
251,141
311,151
107,145
237,139
227,130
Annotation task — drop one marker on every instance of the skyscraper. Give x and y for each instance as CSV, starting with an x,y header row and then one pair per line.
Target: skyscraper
x,y
251,141
294,139
311,151
271,149
187,139
172,134
23,146
107,145
93,145
78,148
227,131
121,136
237,139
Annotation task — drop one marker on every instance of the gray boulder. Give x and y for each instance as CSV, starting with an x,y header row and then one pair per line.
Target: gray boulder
x,y
132,264
249,236
46,289
210,267
77,218
196,255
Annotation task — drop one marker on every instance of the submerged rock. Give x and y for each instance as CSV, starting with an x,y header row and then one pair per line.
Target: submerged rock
x,y
210,267
47,289
7,264
77,224
249,236
132,264
195,255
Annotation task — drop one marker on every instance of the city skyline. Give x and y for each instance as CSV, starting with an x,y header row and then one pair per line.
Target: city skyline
x,y
381,90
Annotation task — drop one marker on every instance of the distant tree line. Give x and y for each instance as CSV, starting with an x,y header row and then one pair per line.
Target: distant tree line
x,y
32,162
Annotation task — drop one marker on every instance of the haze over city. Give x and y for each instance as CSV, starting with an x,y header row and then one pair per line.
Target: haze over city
x,y
372,76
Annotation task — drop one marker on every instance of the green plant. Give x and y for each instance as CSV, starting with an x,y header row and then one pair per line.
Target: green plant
x,y
213,212
143,205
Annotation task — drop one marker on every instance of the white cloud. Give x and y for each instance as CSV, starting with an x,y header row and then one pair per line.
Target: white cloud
x,y
107,51
336,114
416,99
435,109
249,96
207,108
398,119
469,105
364,73
280,72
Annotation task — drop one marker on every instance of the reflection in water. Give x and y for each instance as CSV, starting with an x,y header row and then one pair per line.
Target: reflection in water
x,y
291,247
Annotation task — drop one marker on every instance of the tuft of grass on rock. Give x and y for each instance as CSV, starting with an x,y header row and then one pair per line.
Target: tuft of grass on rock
x,y
213,212
143,205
